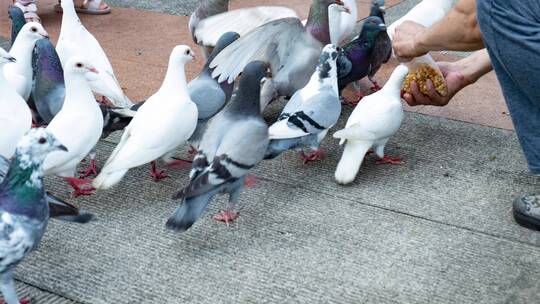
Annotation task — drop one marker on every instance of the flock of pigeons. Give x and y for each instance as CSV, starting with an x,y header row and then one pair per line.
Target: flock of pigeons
x,y
253,57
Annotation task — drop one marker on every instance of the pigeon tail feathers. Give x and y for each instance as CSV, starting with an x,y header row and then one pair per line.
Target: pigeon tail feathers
x,y
351,160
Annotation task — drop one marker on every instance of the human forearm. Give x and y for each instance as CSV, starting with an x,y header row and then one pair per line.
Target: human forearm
x,y
475,66
458,31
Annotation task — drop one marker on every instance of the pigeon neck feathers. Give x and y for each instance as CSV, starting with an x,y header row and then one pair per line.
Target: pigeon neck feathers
x,y
22,191
326,72
22,51
17,21
393,85
247,98
47,62
317,22
175,78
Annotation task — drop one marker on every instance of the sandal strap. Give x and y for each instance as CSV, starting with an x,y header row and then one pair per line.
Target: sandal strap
x,y
93,5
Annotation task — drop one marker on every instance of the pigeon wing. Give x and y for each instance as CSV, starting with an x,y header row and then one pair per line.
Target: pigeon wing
x,y
241,21
270,42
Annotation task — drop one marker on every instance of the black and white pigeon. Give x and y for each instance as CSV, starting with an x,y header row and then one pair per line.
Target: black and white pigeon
x,y
310,113
291,48
24,211
207,93
234,143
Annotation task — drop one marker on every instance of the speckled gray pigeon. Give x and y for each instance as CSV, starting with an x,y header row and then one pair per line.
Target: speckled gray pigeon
x,y
207,93
58,208
17,21
24,212
235,142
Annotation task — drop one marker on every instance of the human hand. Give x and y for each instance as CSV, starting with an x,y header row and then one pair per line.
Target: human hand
x,y
455,79
405,40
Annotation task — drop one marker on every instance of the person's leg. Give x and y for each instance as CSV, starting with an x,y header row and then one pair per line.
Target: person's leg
x,y
510,31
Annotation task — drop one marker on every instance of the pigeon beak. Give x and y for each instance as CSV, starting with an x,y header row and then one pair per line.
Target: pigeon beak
x,y
93,70
193,56
383,8
382,26
46,36
62,148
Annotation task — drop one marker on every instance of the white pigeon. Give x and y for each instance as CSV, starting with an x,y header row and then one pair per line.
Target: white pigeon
x,y
341,23
20,73
427,13
164,122
15,116
78,125
371,124
76,40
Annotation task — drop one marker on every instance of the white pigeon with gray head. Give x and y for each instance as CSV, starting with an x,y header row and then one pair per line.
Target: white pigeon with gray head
x,y
78,124
15,115
76,40
310,113
291,48
20,73
165,121
24,212
371,124
234,143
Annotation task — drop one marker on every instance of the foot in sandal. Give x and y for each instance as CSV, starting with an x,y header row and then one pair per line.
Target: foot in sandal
x,y
92,7
29,9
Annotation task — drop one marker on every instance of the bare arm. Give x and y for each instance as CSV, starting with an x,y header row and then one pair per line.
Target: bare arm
x,y
457,31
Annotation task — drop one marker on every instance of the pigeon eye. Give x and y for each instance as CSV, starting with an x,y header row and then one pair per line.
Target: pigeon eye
x,y
188,52
42,140
33,29
79,65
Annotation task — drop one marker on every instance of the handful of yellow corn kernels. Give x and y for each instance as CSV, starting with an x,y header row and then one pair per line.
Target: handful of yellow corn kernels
x,y
420,70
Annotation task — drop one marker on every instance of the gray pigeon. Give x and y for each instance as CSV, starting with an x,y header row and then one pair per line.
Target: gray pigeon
x,y
58,208
291,48
209,95
206,9
235,142
310,113
24,212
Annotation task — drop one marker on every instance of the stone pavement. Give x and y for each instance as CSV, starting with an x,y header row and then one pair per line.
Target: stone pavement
x,y
437,229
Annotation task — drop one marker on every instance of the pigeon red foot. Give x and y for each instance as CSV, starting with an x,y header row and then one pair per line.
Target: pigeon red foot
x,y
192,151
251,181
81,186
376,87
227,216
22,301
155,174
390,160
352,103
179,164
90,171
317,155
